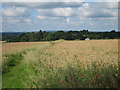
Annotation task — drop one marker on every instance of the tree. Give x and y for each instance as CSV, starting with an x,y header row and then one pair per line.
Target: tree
x,y
39,35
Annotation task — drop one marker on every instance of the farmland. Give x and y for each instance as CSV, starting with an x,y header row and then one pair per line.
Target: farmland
x,y
61,64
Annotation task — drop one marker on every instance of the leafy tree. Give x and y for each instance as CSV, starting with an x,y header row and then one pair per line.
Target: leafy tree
x,y
70,35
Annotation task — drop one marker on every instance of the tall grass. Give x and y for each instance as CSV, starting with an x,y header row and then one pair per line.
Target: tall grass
x,y
71,77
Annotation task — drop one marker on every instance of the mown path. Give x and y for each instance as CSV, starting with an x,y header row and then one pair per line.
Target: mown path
x,y
19,75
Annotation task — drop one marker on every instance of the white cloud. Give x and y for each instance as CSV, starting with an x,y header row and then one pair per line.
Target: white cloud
x,y
113,5
57,12
27,20
13,21
60,0
85,5
63,9
83,11
15,11
10,20
63,12
43,5
97,10
91,24
41,17
68,20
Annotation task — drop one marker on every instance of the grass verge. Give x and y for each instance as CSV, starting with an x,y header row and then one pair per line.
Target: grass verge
x,y
12,60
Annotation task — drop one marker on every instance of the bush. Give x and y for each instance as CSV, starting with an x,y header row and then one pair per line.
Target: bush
x,y
12,60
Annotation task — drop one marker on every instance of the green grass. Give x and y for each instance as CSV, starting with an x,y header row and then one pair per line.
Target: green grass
x,y
16,71
16,75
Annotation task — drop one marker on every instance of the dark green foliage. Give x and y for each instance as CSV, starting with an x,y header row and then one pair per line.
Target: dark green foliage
x,y
10,36
70,35
12,60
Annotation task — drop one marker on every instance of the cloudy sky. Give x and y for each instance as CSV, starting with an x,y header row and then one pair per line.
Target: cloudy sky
x,y
33,16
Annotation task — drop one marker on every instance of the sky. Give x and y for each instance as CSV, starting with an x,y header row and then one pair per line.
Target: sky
x,y
35,16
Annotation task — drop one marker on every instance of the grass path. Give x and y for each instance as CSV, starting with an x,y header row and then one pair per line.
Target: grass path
x,y
20,76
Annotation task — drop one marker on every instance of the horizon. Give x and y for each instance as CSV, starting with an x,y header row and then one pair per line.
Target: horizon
x,y
61,30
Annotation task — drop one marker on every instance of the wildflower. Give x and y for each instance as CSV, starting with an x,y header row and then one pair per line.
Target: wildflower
x,y
52,60
73,80
96,75
92,82
61,80
44,66
71,72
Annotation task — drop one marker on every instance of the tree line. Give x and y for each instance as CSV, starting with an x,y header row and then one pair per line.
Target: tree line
x,y
70,35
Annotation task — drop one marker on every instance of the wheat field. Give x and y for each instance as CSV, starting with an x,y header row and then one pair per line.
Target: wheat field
x,y
61,64
12,48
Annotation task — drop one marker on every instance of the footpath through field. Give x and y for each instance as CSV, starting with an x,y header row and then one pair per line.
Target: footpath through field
x,y
70,64
20,75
